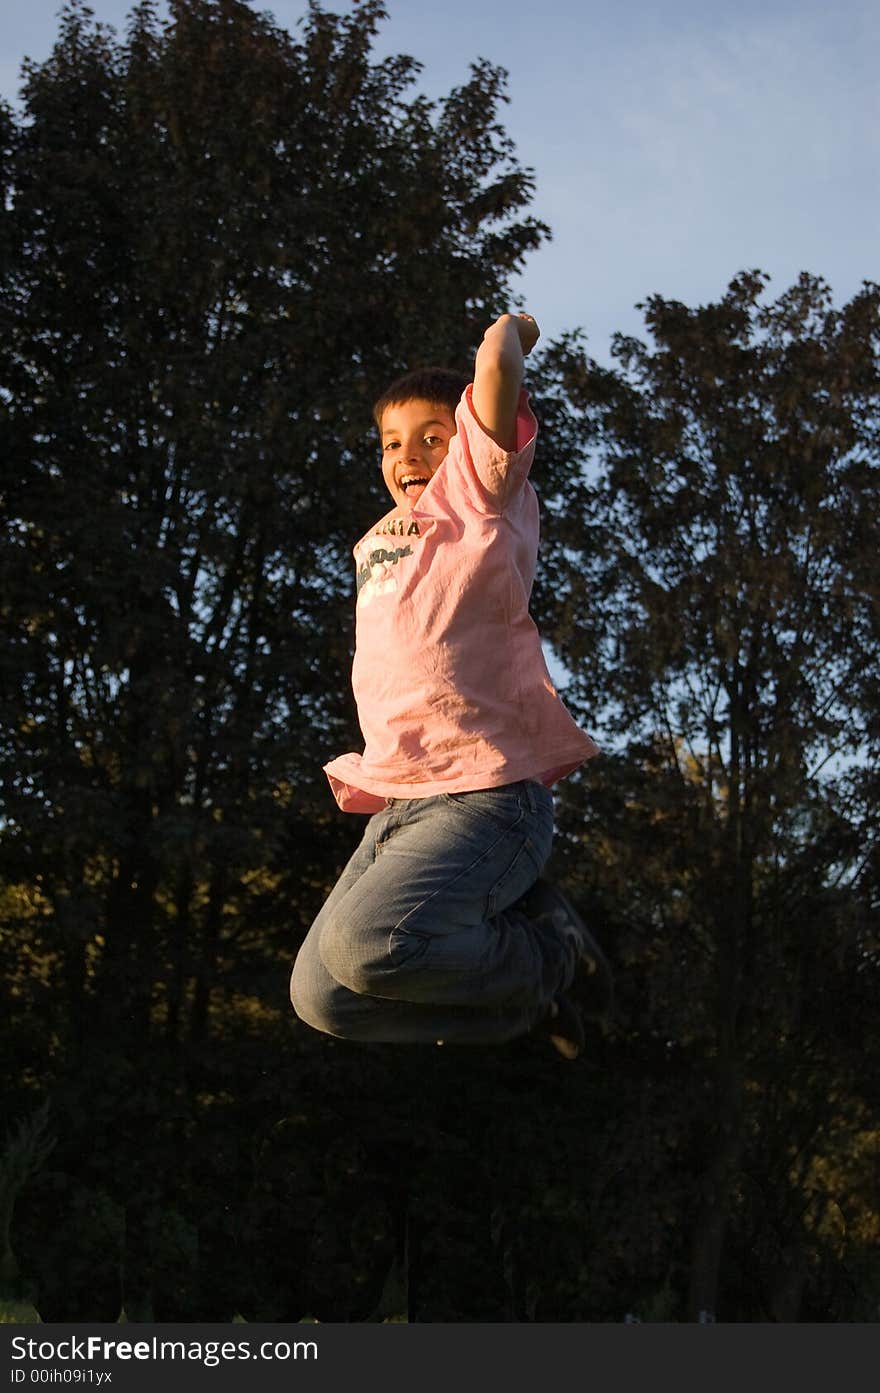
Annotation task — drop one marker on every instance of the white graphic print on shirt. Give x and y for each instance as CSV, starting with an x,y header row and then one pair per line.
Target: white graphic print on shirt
x,y
377,556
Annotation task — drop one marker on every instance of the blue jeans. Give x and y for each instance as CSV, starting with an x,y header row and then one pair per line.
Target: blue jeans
x,y
421,939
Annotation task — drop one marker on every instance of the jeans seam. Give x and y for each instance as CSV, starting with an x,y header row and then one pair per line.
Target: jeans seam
x,y
528,847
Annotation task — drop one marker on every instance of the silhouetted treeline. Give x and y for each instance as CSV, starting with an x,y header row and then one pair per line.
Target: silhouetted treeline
x,y
219,242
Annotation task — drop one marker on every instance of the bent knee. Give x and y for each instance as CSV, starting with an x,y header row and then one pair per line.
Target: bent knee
x,y
311,1003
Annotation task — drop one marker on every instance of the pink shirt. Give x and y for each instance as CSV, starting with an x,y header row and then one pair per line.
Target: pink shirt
x,y
449,678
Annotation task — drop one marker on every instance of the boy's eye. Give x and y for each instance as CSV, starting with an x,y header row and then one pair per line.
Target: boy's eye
x,y
433,440
391,445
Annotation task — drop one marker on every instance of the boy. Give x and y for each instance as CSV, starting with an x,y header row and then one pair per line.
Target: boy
x,y
440,928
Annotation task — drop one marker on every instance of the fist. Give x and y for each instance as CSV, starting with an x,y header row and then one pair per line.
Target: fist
x,y
528,331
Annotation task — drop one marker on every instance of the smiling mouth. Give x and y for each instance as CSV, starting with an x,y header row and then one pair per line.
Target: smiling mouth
x,y
411,481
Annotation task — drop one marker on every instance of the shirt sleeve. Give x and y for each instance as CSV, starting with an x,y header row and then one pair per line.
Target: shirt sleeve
x,y
489,474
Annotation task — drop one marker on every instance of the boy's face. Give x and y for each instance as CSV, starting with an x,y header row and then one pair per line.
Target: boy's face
x,y
415,438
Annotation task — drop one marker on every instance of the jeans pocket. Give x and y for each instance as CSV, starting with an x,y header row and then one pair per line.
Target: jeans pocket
x,y
503,806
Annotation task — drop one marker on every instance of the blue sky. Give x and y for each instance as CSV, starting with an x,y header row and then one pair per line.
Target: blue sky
x,y
674,143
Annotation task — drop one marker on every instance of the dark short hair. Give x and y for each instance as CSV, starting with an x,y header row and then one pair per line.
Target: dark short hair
x,y
439,386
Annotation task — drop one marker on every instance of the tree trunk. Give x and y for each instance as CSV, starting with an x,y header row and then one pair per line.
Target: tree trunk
x,y
716,1187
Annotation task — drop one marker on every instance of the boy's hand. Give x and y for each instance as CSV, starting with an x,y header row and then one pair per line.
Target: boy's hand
x,y
528,331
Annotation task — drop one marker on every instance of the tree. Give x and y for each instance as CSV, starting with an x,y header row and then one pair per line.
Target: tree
x,y
223,241
213,257
220,242
711,582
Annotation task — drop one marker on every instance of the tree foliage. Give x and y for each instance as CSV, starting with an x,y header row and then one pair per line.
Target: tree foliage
x,y
712,586
219,242
222,239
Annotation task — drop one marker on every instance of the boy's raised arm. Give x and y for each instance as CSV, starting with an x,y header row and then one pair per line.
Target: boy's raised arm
x,y
498,374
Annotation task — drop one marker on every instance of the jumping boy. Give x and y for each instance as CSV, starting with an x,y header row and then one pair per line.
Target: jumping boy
x,y
440,927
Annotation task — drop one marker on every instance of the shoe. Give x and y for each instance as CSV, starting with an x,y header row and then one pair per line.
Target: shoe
x,y
593,984
563,1027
